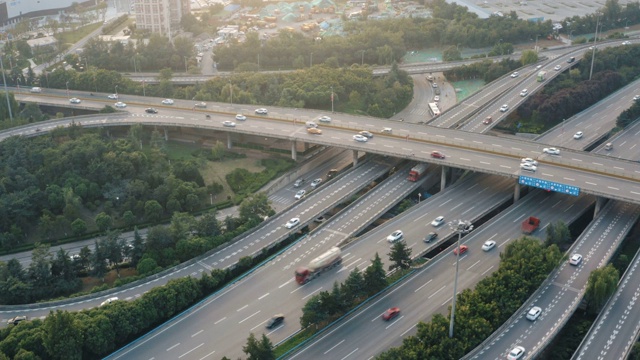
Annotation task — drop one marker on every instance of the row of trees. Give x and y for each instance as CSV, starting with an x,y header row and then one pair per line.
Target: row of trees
x,y
381,42
573,91
612,16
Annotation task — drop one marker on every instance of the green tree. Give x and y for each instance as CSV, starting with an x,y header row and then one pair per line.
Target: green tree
x,y
451,54
353,288
146,266
529,57
153,211
78,227
63,337
258,350
400,255
256,207
557,233
375,278
103,221
601,285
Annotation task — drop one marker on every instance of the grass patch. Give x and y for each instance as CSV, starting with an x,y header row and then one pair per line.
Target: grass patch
x,y
72,37
294,341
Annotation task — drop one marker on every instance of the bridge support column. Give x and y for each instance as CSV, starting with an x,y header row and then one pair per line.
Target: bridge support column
x,y
355,158
516,191
229,142
443,177
166,135
294,153
600,202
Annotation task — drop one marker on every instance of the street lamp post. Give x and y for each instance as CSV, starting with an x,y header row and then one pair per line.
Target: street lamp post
x,y
231,92
536,46
311,60
116,90
6,92
185,64
332,99
593,53
362,58
462,227
67,85
419,197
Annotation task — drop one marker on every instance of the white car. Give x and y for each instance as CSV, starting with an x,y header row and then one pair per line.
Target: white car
x,y
534,313
516,353
438,221
292,223
578,135
201,105
241,117
109,301
551,151
360,138
436,98
113,96
557,68
366,133
300,194
261,111
524,92
488,245
395,236
316,182
167,102
528,167
515,74
504,108
228,123
75,101
576,259
538,67
626,43
121,105
324,119
636,98
36,89
530,161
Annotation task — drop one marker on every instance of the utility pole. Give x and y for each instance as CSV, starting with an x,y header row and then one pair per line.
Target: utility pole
x,y
6,92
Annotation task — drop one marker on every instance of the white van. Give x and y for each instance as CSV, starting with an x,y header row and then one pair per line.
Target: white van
x,y
35,90
608,146
311,124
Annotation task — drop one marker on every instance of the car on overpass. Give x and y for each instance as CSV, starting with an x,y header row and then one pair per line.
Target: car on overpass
x,y
240,117
201,105
437,221
228,123
151,111
395,236
113,96
578,135
261,111
463,249
366,134
528,167
504,108
488,245
576,259
534,313
121,105
292,223
488,120
75,101
275,321
167,102
314,131
551,151
516,353
515,74
437,155
300,194
324,119
360,138
391,313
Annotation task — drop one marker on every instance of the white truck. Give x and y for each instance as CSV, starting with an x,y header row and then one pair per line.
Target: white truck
x,y
317,266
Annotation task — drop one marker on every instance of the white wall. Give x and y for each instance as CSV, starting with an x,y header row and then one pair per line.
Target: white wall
x,y
17,7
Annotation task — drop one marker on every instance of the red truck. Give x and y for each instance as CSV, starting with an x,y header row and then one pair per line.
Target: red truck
x,y
417,172
319,265
530,224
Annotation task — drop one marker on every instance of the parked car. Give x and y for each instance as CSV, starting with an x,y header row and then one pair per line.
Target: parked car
x,y
167,102
275,321
292,223
261,111
300,194
395,236
391,313
151,111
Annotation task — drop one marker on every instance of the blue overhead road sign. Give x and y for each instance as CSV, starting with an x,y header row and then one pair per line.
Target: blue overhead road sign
x,y
549,185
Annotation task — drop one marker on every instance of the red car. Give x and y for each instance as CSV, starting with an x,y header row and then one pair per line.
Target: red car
x,y
391,313
463,249
488,120
437,155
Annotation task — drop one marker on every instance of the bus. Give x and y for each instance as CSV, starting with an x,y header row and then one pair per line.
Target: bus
x,y
433,109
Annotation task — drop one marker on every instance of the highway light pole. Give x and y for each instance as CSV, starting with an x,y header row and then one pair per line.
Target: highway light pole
x,y
231,92
67,85
593,53
332,99
6,92
461,227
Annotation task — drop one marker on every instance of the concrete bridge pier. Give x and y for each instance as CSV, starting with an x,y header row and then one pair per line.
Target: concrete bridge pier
x,y
355,158
229,142
516,191
600,203
166,135
294,153
443,177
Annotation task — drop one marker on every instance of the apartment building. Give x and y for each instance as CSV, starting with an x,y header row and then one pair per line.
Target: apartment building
x,y
160,16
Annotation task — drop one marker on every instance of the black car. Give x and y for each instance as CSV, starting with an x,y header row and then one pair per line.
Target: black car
x,y
275,321
430,236
151,111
